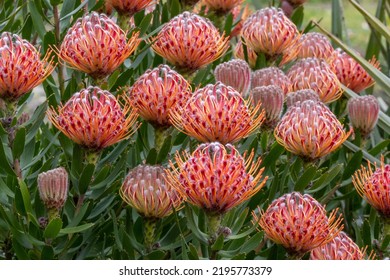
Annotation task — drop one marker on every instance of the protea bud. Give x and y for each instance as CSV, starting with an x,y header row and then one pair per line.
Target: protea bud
x,y
222,6
239,53
271,76
190,42
130,7
351,73
271,100
53,188
217,113
235,73
299,223
158,92
315,74
310,130
340,248
363,112
300,96
96,45
94,119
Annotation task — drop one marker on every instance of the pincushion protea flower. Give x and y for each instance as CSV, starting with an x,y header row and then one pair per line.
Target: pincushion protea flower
x,y
158,92
340,248
374,186
271,76
300,96
299,223
190,42
270,32
239,53
96,45
217,113
235,73
310,130
130,7
316,74
222,6
363,111
94,119
351,73
21,68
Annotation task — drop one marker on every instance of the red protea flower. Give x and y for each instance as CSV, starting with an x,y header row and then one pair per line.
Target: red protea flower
x,y
94,119
217,178
271,76
235,73
21,68
315,74
130,7
239,53
374,186
96,45
363,112
190,42
351,73
236,12
299,223
146,189
340,248
217,113
270,32
300,96
222,6
158,92
271,99
309,129
53,187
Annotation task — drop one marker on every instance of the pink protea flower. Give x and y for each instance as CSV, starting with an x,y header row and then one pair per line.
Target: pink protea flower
x,y
94,119
374,186
235,73
299,223
222,6
271,76
270,32
190,42
239,53
217,178
130,7
271,99
340,248
310,130
217,113
21,68
53,188
300,96
316,74
363,112
146,189
96,45
351,73
158,92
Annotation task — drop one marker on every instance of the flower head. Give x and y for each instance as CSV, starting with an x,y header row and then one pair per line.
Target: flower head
x,y
271,76
217,178
158,92
94,119
239,53
130,7
235,73
96,45
146,189
21,68
316,74
363,112
190,42
300,96
299,223
53,187
217,113
374,186
222,6
309,129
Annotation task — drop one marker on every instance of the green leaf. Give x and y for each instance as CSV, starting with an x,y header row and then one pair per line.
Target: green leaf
x,y
47,253
276,151
152,157
145,23
380,147
326,178
53,228
297,16
353,164
175,8
19,142
366,155
193,252
218,244
193,226
37,19
86,177
25,195
306,178
4,162
252,242
5,189
70,230
165,149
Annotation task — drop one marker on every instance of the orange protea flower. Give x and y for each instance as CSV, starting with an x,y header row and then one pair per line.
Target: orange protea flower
x,y
340,248
96,45
309,129
239,53
146,190
217,178
300,96
217,113
299,223
130,7
94,119
222,6
190,42
158,92
351,73
270,32
21,68
316,74
271,76
374,187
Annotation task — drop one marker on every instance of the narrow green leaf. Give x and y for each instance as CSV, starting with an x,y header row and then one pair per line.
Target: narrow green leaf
x,y
326,178
380,147
19,142
252,242
218,244
37,19
5,165
152,157
165,149
193,252
305,179
47,253
53,228
366,155
86,177
145,23
25,195
353,164
70,230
